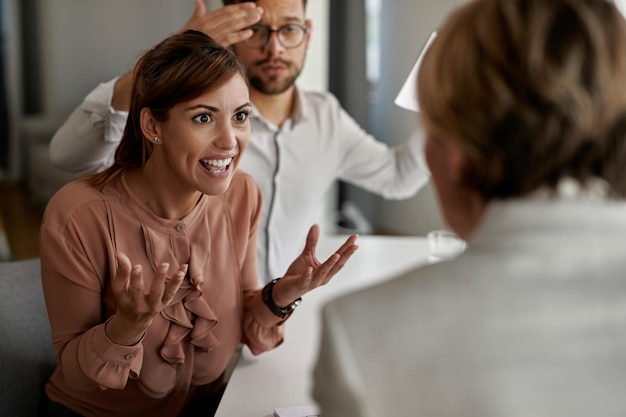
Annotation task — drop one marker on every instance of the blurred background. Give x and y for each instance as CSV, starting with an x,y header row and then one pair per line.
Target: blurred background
x,y
55,51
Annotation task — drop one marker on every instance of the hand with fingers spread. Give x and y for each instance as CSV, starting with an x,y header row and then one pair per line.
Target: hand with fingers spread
x,y
136,307
227,25
307,272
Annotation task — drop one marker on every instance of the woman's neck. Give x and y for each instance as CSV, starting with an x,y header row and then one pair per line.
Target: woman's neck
x,y
163,198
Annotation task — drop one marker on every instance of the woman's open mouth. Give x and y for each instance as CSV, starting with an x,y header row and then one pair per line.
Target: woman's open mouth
x,y
216,165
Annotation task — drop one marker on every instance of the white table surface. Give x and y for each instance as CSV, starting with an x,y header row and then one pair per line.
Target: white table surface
x,y
283,377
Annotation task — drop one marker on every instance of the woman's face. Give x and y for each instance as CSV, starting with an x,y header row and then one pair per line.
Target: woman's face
x,y
203,139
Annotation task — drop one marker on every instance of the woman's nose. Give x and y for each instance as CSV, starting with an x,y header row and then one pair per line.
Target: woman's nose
x,y
226,138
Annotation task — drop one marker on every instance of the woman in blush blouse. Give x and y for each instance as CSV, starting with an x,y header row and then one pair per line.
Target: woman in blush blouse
x,y
149,268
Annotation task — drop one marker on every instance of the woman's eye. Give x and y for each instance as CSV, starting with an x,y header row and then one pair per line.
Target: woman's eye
x,y
242,116
203,118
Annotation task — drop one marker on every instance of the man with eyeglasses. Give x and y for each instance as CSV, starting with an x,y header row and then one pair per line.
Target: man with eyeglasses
x,y
301,143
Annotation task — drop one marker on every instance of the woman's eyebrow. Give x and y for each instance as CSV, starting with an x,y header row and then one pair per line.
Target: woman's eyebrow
x,y
203,106
248,104
216,109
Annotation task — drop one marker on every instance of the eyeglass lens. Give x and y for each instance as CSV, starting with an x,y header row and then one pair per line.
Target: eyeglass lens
x,y
290,36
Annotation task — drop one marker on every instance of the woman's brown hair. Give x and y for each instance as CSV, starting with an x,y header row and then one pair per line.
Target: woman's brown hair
x,y
180,68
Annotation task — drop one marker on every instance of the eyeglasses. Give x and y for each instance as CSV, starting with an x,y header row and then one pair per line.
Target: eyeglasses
x,y
289,36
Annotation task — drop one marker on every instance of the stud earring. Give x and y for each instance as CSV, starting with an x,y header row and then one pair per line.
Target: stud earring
x,y
156,140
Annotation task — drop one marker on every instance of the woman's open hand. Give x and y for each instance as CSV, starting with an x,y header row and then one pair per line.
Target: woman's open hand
x,y
307,272
137,305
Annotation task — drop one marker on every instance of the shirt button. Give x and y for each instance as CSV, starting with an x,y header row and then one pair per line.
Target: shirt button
x,y
180,227
129,356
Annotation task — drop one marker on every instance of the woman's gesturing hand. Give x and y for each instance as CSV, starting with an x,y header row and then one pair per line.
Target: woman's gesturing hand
x,y
136,305
307,272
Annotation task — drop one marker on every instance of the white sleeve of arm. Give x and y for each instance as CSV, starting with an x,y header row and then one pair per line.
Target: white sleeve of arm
x,y
87,141
416,161
393,172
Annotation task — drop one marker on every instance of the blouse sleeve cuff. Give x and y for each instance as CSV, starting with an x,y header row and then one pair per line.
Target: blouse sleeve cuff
x,y
108,364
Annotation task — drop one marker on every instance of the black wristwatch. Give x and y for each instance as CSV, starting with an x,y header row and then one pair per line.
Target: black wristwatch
x,y
281,312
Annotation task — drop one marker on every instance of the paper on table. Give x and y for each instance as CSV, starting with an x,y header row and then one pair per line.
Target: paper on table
x,y
303,411
407,97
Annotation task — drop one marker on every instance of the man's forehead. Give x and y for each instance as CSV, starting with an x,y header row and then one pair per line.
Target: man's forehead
x,y
227,2
277,12
281,11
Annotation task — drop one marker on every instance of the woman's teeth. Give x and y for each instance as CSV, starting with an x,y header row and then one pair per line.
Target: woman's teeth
x,y
216,164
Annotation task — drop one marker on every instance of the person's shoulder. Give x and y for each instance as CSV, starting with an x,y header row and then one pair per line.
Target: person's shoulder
x,y
319,99
319,96
243,182
243,188
70,198
74,193
394,297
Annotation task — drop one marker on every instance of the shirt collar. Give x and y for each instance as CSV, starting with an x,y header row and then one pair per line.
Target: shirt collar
x,y
568,204
299,114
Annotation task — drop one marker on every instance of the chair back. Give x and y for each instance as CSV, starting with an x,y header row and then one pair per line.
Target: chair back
x,y
26,354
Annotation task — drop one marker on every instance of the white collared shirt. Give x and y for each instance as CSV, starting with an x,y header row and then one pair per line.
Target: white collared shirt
x,y
294,165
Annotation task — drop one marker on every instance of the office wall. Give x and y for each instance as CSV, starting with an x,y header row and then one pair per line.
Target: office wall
x,y
84,42
413,21
9,44
405,28
87,41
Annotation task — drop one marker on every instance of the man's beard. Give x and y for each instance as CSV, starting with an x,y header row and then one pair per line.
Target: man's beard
x,y
273,86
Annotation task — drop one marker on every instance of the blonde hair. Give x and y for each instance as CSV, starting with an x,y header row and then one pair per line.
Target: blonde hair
x,y
532,90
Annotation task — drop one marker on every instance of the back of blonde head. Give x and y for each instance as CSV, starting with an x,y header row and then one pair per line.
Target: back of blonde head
x,y
533,90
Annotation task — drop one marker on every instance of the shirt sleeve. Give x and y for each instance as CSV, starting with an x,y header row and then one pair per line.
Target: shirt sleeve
x,y
394,172
87,141
73,292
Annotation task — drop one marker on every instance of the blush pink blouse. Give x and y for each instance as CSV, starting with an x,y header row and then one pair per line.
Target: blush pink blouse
x,y
191,342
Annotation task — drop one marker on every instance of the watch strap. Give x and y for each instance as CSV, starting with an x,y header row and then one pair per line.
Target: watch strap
x,y
268,300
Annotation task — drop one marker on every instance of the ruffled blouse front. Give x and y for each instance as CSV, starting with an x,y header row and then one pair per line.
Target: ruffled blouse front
x,y
191,341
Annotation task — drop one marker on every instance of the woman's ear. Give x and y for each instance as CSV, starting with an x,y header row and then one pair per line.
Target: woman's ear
x,y
149,126
456,161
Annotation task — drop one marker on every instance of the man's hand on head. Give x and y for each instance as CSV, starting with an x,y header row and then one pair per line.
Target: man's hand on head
x,y
226,25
